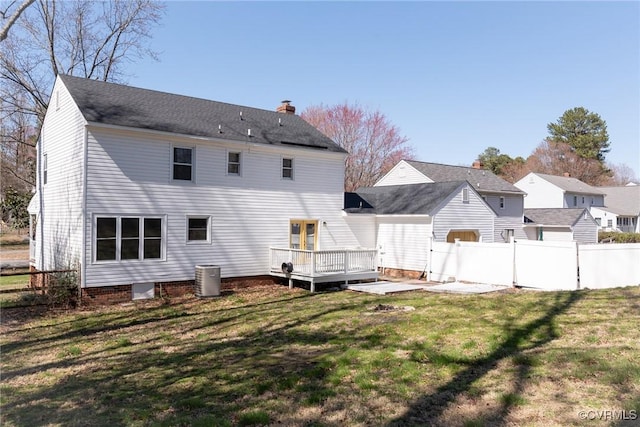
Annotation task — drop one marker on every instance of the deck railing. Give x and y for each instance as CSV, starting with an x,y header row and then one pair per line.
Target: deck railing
x,y
329,262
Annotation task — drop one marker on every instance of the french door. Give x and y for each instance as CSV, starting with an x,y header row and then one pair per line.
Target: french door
x,y
303,234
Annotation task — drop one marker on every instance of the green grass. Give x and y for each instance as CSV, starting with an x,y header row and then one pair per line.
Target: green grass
x,y
274,356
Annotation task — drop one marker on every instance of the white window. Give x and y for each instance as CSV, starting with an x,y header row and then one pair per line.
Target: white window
x,y
575,200
198,229
182,164
609,223
45,167
287,168
128,238
583,200
465,195
233,163
501,202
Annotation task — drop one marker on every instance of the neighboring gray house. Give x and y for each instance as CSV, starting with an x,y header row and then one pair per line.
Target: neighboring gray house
x,y
561,224
136,187
506,200
621,210
406,219
551,191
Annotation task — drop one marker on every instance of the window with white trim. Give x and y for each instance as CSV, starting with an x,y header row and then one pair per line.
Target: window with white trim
x,y
501,202
198,229
234,163
575,200
121,238
287,168
182,164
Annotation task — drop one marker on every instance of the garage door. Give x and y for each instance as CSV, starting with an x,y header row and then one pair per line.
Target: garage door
x,y
463,235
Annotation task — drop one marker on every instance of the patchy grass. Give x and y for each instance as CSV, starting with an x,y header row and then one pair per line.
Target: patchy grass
x,y
274,356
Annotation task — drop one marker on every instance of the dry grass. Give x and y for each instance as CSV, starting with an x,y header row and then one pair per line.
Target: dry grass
x,y
271,356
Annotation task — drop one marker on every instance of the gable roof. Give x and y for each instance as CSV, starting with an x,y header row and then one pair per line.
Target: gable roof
x,y
554,216
570,184
483,181
622,200
408,199
120,105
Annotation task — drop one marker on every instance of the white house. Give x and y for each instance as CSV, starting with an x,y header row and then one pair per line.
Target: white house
x,y
505,199
551,191
404,220
561,224
136,187
621,210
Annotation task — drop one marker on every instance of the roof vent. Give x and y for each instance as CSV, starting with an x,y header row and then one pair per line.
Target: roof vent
x,y
241,116
286,107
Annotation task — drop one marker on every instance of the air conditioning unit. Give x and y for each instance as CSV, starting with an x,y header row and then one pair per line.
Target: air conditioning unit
x,y
207,280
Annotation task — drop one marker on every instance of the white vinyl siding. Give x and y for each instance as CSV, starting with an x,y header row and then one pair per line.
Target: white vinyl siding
x,y
585,230
455,215
404,242
58,243
128,173
402,173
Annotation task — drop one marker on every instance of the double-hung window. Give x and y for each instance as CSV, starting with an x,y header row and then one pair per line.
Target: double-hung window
x,y
44,168
120,238
287,168
182,164
501,202
233,163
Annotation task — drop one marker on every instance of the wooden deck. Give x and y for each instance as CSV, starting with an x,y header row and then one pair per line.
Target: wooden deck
x,y
337,265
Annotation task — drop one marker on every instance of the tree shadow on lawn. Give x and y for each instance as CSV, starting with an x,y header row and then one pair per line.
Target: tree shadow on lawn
x,y
148,382
430,409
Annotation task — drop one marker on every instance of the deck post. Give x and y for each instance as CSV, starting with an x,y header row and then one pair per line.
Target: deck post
x,y
313,285
290,283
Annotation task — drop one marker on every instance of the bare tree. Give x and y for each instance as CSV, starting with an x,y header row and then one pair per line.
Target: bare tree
x,y
374,144
83,38
621,174
558,158
10,17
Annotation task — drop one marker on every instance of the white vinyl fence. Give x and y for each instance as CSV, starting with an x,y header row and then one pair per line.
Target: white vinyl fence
x,y
537,264
485,263
609,266
546,265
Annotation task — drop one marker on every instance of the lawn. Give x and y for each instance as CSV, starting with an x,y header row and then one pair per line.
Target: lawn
x,y
274,356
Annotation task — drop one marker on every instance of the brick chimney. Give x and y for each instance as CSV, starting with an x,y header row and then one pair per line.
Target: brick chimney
x,y
566,174
286,107
477,165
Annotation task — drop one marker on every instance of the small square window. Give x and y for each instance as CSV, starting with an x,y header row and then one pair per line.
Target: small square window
x,y
198,229
233,163
287,168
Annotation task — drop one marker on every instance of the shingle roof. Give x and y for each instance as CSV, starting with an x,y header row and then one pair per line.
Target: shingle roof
x,y
115,104
409,199
483,181
570,184
554,216
622,200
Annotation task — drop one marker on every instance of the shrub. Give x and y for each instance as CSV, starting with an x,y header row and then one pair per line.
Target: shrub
x,y
63,290
618,237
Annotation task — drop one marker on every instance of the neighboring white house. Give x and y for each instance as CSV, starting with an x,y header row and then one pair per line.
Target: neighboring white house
x,y
404,220
551,191
561,224
137,187
505,199
621,210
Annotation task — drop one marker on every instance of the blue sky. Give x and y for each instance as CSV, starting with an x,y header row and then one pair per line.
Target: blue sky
x,y
454,77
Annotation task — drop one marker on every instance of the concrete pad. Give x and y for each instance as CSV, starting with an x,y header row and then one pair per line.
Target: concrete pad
x,y
465,288
384,287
